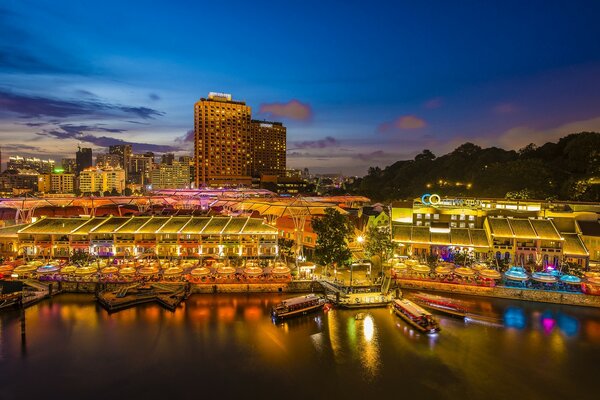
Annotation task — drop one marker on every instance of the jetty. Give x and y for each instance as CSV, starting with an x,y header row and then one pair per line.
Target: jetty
x,y
168,295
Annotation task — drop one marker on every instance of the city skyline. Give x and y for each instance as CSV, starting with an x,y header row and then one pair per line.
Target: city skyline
x,y
355,87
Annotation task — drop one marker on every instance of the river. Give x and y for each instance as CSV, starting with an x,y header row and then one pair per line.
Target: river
x,y
226,346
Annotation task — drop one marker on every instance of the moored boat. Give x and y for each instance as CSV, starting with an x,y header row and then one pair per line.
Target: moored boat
x,y
440,304
416,316
297,306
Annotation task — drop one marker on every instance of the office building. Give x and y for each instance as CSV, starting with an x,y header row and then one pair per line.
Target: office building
x,y
33,163
69,165
108,160
175,175
97,180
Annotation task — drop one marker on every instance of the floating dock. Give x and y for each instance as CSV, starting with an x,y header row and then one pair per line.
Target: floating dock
x,y
168,295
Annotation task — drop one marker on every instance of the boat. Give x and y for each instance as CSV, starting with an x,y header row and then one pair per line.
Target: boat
x,y
416,316
365,300
297,306
440,304
10,300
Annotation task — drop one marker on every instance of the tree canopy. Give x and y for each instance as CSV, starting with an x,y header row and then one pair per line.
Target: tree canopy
x,y
568,169
333,230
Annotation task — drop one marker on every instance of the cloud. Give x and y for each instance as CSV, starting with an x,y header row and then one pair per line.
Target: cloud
x,y
154,97
436,102
378,154
293,109
328,141
31,106
187,138
81,133
404,122
504,108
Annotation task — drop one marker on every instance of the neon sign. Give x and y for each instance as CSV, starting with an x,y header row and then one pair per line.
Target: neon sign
x,y
431,199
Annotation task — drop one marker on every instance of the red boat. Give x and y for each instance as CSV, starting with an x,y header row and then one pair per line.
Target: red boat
x,y
440,304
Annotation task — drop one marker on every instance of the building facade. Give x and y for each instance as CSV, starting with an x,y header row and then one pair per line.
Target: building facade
x,y
175,175
97,180
36,164
519,232
222,141
83,159
62,183
215,237
268,148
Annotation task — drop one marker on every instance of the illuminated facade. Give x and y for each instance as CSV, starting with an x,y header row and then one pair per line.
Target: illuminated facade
x,y
222,141
214,237
518,231
92,180
268,148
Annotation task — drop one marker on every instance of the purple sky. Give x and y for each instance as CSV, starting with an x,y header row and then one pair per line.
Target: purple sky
x,y
356,85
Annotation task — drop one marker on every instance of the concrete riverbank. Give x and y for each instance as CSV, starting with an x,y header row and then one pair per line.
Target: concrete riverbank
x,y
542,296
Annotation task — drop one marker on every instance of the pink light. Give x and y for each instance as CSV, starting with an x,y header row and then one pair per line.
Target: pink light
x,y
548,324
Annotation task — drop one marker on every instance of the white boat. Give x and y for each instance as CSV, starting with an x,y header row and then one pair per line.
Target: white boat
x,y
416,316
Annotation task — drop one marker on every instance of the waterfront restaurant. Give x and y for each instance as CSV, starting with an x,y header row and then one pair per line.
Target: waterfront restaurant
x,y
135,236
519,231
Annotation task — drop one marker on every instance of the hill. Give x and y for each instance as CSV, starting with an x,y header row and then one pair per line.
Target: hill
x,y
566,170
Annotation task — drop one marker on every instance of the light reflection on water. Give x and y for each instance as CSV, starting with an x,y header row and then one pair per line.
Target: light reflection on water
x,y
215,337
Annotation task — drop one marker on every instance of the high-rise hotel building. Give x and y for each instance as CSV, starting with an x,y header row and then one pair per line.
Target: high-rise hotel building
x,y
222,141
230,148
268,145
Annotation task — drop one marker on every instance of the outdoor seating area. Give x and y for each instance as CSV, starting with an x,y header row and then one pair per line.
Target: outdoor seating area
x,y
151,270
483,275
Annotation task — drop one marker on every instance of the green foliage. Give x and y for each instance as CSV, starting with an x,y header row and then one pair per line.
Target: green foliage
x,y
379,243
286,248
568,169
333,230
80,258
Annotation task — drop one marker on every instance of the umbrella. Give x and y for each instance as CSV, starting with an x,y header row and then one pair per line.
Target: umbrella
x,y
148,271
68,270
464,272
281,271
172,271
490,274
421,269
225,270
6,269
200,271
570,279
109,270
35,263
253,271
89,270
443,270
543,277
400,267
516,274
47,269
127,271
24,269
594,280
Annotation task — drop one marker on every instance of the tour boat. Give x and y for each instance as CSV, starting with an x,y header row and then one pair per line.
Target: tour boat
x,y
440,304
365,300
416,316
297,306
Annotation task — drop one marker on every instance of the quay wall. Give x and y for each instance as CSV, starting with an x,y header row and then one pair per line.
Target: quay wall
x,y
542,296
284,287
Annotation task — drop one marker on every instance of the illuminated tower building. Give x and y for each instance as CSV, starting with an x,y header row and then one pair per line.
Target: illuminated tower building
x,y
268,145
222,141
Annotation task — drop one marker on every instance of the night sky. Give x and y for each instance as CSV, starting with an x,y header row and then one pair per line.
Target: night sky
x,y
357,84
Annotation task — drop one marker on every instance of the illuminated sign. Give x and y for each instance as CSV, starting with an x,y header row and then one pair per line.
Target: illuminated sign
x,y
218,95
435,200
431,199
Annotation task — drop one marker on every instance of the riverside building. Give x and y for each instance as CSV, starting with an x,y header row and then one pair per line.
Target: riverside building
x,y
214,237
516,231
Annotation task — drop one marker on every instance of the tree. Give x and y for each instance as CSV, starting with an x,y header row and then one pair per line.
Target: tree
x,y
80,257
333,230
379,243
127,192
286,248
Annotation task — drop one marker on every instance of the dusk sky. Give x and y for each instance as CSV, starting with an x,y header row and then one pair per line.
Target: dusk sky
x,y
357,83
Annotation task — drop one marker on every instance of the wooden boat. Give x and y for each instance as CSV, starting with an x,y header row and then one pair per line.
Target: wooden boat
x,y
417,317
365,300
440,304
297,306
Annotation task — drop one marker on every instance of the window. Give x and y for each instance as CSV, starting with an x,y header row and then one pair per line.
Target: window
x,y
452,224
419,216
419,223
436,216
471,218
427,216
462,217
471,225
453,217
462,225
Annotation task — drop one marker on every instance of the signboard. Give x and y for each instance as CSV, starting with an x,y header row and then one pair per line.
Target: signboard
x,y
436,200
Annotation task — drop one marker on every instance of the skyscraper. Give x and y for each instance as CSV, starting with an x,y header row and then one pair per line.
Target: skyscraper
x,y
222,141
83,159
268,146
123,151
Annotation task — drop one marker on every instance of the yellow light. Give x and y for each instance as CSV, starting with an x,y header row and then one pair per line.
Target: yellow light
x,y
360,239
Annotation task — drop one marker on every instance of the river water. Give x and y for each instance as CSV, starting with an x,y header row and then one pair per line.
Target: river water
x,y
226,346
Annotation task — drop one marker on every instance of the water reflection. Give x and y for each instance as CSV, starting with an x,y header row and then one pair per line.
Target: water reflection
x,y
213,335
